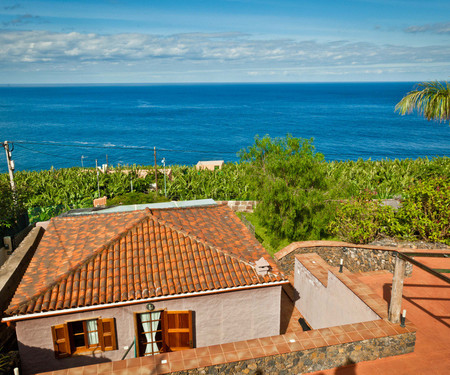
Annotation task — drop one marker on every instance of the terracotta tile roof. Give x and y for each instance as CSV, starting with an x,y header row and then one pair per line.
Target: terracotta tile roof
x,y
107,258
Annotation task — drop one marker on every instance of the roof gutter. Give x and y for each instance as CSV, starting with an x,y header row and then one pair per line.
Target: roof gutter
x,y
135,302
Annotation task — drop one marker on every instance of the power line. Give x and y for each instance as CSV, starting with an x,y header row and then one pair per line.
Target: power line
x,y
45,153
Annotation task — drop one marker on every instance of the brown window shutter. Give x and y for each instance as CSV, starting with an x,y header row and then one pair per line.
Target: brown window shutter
x,y
61,341
178,330
107,334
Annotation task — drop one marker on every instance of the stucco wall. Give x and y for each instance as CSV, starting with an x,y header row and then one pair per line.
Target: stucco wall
x,y
218,318
329,306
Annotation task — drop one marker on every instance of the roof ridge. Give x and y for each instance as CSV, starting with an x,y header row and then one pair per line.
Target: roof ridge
x,y
94,214
211,246
144,215
207,206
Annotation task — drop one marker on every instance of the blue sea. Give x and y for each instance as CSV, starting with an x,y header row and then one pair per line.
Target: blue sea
x,y
65,126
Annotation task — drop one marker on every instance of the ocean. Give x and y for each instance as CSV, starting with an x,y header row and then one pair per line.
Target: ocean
x,y
70,126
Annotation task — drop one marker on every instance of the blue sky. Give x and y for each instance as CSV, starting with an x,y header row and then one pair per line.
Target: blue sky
x,y
155,41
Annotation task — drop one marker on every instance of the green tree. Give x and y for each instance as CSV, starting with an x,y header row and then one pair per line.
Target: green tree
x,y
10,210
430,99
289,179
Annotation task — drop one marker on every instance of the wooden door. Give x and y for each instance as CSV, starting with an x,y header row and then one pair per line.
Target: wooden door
x,y
178,330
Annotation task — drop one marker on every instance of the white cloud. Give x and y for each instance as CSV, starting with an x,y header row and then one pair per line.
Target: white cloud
x,y
435,28
126,54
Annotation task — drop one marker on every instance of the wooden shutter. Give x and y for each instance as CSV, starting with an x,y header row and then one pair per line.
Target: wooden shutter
x,y
107,334
61,340
178,330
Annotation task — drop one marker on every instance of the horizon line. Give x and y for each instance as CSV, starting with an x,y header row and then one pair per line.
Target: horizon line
x,y
187,83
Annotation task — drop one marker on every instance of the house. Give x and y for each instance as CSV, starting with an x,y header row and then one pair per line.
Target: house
x,y
163,279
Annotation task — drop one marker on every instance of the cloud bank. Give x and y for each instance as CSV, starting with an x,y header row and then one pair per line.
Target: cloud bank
x,y
434,28
53,51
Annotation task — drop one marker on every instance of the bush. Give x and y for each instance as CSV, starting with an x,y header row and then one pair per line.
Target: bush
x,y
290,181
362,219
425,211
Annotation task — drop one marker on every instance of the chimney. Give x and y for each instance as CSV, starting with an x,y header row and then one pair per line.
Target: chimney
x,y
100,202
262,266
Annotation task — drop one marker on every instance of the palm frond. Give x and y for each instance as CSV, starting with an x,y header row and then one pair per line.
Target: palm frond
x,y
430,99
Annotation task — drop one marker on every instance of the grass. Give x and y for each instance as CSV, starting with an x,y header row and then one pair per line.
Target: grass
x,y
271,243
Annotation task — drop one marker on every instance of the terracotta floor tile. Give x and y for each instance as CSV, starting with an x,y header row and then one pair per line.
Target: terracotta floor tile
x,y
201,352
295,346
370,324
314,334
215,349
218,358
378,332
241,345
133,362
307,344
231,356
355,336
107,367
253,343
190,363
244,354
278,339
178,355
325,331
228,347
331,340
265,341
283,348
92,370
204,361
344,338
257,352
319,342
176,366
270,349
336,330
366,334
188,354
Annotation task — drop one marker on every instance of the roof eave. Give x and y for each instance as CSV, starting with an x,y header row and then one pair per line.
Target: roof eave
x,y
139,301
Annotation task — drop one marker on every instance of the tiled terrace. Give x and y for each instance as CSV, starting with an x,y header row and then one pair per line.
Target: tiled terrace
x,y
427,302
292,341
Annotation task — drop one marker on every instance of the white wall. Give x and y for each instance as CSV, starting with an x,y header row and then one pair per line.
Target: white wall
x,y
218,318
329,306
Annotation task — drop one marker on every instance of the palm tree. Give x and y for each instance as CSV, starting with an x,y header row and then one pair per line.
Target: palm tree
x,y
430,99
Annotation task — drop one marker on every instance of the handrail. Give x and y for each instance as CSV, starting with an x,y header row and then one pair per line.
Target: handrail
x,y
129,348
433,271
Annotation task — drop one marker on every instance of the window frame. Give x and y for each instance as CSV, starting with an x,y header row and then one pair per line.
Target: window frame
x,y
64,343
138,332
167,331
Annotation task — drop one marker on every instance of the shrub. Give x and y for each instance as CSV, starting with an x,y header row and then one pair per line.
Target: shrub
x,y
362,219
425,211
290,181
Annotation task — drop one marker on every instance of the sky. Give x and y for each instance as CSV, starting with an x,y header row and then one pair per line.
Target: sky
x,y
185,41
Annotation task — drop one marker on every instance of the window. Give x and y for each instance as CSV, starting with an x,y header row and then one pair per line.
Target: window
x,y
163,331
83,336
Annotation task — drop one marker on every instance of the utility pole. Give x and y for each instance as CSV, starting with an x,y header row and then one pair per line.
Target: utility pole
x,y
98,183
156,170
165,186
10,169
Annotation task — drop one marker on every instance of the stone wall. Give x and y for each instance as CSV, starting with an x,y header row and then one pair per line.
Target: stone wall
x,y
315,359
240,206
356,259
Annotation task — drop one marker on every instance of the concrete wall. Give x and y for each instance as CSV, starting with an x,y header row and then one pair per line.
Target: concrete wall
x,y
329,306
218,318
12,270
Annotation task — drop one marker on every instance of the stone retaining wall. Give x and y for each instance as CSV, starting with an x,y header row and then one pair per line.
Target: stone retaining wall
x,y
315,359
240,206
356,259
